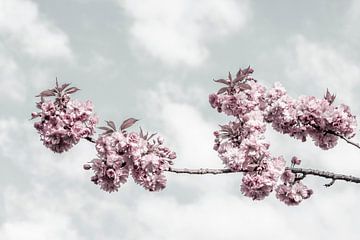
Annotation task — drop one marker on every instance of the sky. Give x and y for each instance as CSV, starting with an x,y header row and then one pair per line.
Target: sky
x,y
155,60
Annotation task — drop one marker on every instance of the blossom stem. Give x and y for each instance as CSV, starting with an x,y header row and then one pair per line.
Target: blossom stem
x,y
304,171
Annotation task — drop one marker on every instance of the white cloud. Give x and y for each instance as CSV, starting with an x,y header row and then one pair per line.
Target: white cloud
x,y
351,24
22,24
176,32
11,79
314,65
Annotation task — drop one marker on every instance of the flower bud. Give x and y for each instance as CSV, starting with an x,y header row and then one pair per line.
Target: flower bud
x,y
160,140
295,161
87,166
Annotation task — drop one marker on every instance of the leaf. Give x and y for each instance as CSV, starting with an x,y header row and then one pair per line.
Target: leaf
x,y
111,124
141,133
105,128
46,93
329,97
249,70
239,73
244,86
128,123
225,128
72,90
63,86
152,135
239,79
222,81
222,90
107,132
229,76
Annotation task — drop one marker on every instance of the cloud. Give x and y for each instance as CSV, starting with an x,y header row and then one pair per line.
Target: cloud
x,y
177,32
351,24
27,220
11,79
314,65
21,24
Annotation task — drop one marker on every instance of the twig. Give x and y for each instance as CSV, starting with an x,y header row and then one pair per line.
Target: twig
x,y
330,183
90,139
345,139
304,171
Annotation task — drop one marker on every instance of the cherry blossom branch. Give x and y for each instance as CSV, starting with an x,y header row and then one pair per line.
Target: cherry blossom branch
x,y
304,171
345,139
240,143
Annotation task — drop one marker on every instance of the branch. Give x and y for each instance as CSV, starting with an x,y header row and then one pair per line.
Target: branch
x,y
344,138
90,139
304,171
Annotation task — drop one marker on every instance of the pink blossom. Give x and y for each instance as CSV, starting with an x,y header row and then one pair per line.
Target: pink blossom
x,y
121,153
293,194
63,122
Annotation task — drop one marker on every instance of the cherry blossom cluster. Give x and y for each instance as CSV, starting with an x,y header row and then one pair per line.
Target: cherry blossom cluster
x,y
292,191
241,144
309,116
121,153
63,121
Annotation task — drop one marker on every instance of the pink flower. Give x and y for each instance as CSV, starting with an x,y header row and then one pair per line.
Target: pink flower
x,y
123,153
256,186
63,122
288,176
293,194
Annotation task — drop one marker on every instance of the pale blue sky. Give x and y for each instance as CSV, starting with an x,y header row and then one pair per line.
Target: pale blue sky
x,y
155,60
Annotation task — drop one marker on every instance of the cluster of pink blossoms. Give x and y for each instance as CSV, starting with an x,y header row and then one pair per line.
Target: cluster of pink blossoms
x,y
292,191
63,122
121,153
309,116
241,144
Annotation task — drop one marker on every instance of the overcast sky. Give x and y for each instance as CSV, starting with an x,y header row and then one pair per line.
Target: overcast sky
x,y
155,60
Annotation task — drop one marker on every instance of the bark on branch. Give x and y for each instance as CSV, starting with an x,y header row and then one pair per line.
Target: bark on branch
x,y
305,171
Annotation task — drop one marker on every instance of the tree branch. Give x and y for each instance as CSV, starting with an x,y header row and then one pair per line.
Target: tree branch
x,y
304,171
345,139
90,139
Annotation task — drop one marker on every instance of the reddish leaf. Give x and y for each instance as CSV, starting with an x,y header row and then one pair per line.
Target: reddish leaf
x,y
249,70
141,133
329,97
128,123
111,124
222,90
152,135
239,73
63,86
72,90
222,81
244,86
46,93
229,76
105,128
239,79
107,132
